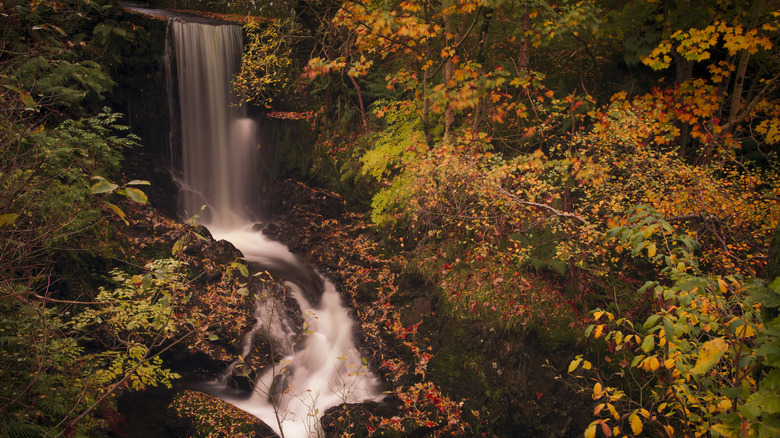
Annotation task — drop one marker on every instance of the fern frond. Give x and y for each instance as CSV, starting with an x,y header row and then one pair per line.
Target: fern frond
x,y
17,429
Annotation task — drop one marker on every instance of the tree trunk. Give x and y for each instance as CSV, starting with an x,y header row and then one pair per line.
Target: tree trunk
x,y
739,77
360,100
426,122
525,45
449,112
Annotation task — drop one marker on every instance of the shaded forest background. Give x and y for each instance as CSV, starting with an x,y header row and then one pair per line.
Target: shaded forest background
x,y
599,176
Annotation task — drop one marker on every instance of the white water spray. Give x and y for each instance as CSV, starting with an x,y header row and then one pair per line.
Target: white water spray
x,y
323,368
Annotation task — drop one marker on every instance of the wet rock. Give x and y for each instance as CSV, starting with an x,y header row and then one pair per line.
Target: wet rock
x,y
195,414
349,419
241,382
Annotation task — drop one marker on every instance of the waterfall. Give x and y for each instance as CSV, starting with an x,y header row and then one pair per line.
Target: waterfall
x,y
218,141
323,368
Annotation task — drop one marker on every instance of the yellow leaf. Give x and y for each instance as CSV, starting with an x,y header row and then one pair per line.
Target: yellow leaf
x,y
597,391
590,432
598,408
612,411
654,364
709,354
722,429
636,423
745,331
651,250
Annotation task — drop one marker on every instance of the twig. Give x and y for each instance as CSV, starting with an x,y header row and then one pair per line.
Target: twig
x,y
42,298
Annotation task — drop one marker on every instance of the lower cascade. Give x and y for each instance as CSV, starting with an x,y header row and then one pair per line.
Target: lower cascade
x,y
322,367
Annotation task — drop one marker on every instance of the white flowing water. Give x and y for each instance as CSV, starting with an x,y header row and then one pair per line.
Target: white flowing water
x,y
321,368
218,146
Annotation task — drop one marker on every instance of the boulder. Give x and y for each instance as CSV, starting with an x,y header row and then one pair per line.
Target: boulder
x,y
194,414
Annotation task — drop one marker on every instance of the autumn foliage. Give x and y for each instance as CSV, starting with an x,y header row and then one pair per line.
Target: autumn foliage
x,y
532,176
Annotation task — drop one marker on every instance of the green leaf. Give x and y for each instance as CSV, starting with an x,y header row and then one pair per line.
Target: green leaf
x,y
709,354
136,195
139,182
102,186
648,343
767,398
638,248
651,321
177,246
647,285
243,291
668,329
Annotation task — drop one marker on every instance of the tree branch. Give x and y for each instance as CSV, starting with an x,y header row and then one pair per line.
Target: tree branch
x,y
552,210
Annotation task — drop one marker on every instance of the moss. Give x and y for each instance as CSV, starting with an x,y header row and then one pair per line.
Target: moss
x,y
198,415
459,364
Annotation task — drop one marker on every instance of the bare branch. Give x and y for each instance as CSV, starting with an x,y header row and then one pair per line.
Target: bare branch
x,y
552,210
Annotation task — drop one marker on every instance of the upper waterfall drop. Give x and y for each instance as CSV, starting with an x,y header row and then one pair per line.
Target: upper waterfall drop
x,y
219,146
322,367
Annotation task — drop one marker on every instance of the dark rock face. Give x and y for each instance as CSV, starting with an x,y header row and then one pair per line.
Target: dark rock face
x,y
198,415
508,376
141,95
297,214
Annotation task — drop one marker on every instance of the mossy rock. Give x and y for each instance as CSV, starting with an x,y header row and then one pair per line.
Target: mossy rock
x,y
194,414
